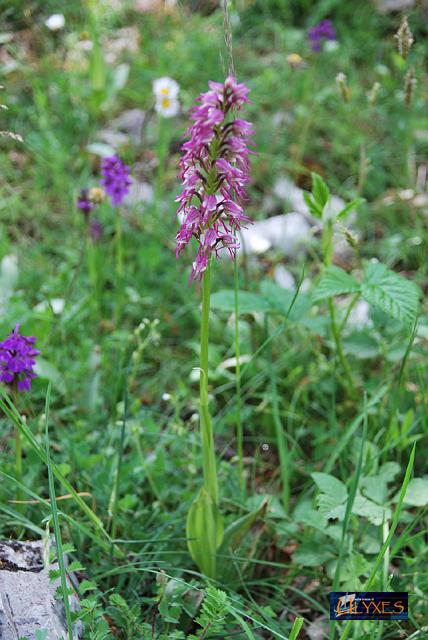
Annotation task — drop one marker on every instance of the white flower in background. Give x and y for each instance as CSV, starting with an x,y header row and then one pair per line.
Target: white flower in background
x,y
55,22
166,87
166,92
167,108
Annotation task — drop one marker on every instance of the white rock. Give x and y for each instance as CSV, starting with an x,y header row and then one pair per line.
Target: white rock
x,y
283,277
386,6
56,304
114,139
55,22
139,192
285,189
9,270
289,233
360,316
131,122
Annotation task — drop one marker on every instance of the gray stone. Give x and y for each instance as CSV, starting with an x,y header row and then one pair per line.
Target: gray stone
x,y
27,595
387,6
130,122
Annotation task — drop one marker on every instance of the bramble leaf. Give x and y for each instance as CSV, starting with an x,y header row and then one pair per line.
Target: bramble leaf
x,y
335,282
390,292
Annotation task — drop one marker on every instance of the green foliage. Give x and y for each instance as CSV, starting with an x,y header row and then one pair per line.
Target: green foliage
x,y
382,288
394,295
212,617
334,282
125,618
204,531
67,97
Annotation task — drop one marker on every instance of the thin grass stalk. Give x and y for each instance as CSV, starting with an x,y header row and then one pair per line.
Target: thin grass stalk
x,y
11,412
327,250
55,518
297,625
281,437
119,263
349,505
93,277
387,542
115,494
18,441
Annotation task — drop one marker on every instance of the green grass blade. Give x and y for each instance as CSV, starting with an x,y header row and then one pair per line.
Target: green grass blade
x,y
387,542
55,518
11,412
297,625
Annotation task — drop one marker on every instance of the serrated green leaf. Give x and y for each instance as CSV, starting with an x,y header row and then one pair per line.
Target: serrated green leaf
x,y
354,204
390,292
224,300
75,566
334,282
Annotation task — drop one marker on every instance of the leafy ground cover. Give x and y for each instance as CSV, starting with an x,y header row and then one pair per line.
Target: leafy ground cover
x,y
332,368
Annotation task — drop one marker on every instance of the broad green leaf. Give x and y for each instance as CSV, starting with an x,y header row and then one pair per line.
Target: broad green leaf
x,y
417,492
354,204
376,487
370,510
394,295
330,507
204,531
320,191
330,485
282,299
310,556
312,206
334,282
46,370
331,500
234,533
224,300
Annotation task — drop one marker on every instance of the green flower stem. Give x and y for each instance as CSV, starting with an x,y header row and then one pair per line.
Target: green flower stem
x,y
93,277
18,440
280,433
119,264
239,432
327,249
162,151
18,454
208,451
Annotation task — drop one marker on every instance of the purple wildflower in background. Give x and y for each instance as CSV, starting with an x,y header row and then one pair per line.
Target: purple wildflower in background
x,y
17,355
214,173
322,31
116,180
84,203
